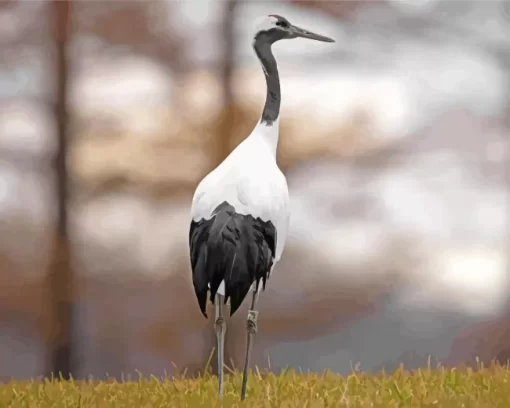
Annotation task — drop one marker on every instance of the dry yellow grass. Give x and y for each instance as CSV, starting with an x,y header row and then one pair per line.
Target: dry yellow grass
x,y
485,387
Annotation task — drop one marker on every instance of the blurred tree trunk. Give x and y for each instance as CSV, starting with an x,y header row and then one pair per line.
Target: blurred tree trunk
x,y
227,126
227,65
226,68
61,276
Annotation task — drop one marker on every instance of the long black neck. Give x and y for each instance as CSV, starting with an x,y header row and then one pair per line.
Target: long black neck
x,y
273,97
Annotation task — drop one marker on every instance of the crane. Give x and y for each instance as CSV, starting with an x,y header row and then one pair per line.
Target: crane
x,y
240,210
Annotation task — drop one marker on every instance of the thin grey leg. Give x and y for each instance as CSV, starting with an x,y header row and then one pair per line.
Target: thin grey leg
x,y
220,326
251,328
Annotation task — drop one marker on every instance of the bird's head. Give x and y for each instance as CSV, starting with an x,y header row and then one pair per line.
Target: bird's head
x,y
273,28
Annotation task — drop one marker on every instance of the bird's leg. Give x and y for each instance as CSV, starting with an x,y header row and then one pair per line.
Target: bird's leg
x,y
220,326
251,328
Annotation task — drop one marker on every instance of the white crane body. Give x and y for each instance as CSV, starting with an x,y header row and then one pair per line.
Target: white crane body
x,y
240,211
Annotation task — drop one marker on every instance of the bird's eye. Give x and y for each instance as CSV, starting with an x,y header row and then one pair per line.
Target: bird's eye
x,y
283,24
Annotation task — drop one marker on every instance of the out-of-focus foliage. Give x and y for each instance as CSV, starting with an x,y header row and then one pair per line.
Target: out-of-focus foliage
x,y
132,27
340,9
392,140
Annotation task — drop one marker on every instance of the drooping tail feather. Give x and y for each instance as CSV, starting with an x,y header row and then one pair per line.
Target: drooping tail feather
x,y
234,248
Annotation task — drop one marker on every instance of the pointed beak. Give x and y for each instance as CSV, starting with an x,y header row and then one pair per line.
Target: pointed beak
x,y
300,32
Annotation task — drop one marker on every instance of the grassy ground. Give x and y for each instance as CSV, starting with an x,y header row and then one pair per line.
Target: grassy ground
x,y
483,388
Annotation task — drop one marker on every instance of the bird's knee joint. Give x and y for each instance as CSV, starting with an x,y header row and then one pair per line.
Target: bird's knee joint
x,y
220,324
251,322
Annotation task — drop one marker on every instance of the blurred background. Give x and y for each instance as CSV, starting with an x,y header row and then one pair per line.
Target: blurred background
x,y
395,143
